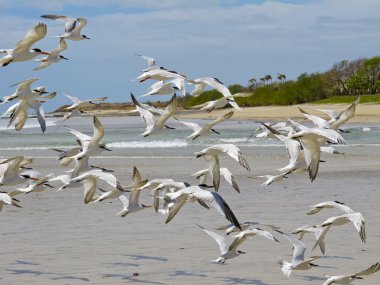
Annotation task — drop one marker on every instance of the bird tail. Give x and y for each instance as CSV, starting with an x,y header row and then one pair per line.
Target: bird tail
x,y
286,268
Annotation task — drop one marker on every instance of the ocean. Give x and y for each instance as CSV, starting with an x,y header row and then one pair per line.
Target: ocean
x,y
123,136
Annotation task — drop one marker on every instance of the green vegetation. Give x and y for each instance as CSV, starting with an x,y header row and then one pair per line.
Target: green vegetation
x,y
341,84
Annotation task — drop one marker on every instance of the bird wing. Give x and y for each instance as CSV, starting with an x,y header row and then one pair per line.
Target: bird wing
x,y
312,154
358,220
74,99
229,178
345,115
195,127
146,115
24,85
62,46
216,201
33,35
219,119
98,131
372,269
317,121
214,169
89,184
150,61
170,110
40,113
70,23
234,152
123,200
299,247
220,240
82,22
176,207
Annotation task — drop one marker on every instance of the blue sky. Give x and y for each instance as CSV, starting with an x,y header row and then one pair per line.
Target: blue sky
x,y
229,39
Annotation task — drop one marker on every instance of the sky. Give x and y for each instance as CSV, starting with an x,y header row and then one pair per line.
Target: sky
x,y
233,40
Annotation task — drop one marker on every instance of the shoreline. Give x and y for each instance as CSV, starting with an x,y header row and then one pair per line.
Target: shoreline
x,y
365,113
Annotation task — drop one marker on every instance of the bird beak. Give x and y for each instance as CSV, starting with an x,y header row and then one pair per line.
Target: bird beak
x,y
64,58
44,52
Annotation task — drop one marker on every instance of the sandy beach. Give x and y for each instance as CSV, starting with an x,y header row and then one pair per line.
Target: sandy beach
x,y
57,239
365,113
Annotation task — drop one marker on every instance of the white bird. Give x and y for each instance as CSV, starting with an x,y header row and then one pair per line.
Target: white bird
x,y
73,27
156,124
271,178
345,279
315,230
356,218
232,228
203,197
53,57
298,261
329,204
118,191
228,252
5,199
131,204
163,88
89,181
206,129
78,103
159,74
220,103
36,184
90,145
11,169
225,172
211,155
24,91
23,51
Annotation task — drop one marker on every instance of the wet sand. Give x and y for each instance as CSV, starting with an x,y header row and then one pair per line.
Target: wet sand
x,y
57,239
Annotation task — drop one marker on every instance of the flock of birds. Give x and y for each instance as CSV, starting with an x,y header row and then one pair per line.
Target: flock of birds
x,y
304,145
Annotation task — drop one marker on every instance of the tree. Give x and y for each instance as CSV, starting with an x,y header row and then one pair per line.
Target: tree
x,y
281,77
252,84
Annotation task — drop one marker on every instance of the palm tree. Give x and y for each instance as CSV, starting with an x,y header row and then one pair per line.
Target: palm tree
x,y
263,79
281,77
268,78
252,83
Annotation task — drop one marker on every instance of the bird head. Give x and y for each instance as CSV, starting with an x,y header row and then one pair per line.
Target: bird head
x,y
241,252
37,50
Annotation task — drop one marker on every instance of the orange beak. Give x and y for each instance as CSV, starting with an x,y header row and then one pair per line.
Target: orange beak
x,y
44,52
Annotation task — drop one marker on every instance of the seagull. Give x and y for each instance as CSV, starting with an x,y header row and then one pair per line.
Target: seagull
x,y
345,279
78,104
159,74
232,228
298,261
163,88
156,124
65,157
225,172
53,57
204,197
73,27
330,204
315,230
356,218
6,199
89,180
36,184
23,51
228,252
90,145
220,103
211,155
271,178
117,192
19,112
10,171
24,91
206,129
131,204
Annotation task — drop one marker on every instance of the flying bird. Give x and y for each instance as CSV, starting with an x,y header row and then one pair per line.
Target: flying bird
x,y
53,57
23,50
73,27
